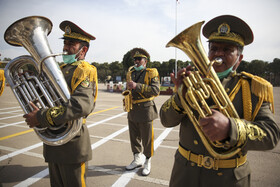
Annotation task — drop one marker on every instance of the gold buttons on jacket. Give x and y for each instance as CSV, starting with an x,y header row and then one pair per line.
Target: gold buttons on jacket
x,y
220,174
67,72
195,142
227,90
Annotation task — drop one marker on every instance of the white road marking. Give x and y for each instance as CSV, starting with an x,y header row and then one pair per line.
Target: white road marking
x,y
31,180
128,175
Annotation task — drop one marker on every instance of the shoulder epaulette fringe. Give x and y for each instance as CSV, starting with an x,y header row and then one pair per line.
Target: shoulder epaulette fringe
x,y
152,72
84,70
261,88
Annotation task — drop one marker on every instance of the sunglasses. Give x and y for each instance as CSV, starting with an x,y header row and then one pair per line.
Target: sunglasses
x,y
137,58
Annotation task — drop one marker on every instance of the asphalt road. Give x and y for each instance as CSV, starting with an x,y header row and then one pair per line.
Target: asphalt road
x,y
22,163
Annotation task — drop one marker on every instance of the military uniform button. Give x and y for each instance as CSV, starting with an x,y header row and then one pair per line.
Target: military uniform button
x,y
195,142
220,174
67,72
227,90
192,164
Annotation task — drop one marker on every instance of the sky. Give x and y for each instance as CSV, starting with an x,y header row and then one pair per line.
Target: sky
x,y
120,25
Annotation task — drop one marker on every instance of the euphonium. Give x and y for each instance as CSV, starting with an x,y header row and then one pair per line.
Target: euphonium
x,y
199,89
38,78
127,101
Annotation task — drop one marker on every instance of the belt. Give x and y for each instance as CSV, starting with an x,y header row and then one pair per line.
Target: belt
x,y
142,100
209,162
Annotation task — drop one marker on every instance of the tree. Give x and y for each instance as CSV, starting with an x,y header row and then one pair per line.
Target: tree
x,y
243,66
127,61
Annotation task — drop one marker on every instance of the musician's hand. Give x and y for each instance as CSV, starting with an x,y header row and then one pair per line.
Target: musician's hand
x,y
180,75
31,118
216,127
131,85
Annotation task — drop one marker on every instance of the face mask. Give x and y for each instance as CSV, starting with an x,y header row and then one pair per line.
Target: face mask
x,y
69,59
139,68
225,73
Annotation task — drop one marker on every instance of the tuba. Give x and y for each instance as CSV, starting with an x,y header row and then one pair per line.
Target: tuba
x,y
38,78
127,101
200,86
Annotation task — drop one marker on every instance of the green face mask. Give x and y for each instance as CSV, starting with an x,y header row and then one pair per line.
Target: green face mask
x,y
69,59
139,68
224,74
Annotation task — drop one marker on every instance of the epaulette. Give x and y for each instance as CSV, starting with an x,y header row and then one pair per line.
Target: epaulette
x,y
260,87
153,72
84,70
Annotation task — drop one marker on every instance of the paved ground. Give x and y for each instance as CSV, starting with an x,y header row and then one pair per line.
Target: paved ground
x,y
22,163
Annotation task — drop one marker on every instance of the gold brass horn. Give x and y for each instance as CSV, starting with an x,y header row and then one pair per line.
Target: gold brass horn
x,y
127,101
199,89
2,81
38,78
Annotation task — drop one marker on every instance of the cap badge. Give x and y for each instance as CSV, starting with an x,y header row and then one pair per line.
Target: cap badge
x,y
67,30
223,29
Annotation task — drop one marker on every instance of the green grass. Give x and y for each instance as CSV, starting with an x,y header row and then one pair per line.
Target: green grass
x,y
164,88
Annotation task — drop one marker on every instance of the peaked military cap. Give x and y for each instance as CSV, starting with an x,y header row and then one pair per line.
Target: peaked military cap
x,y
228,28
72,31
140,52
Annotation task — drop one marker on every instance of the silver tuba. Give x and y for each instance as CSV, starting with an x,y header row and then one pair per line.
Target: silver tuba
x,y
38,78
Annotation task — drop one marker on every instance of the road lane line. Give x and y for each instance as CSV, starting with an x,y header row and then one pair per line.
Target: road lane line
x,y
11,124
11,117
1,113
31,180
10,108
24,132
128,175
34,178
16,134
4,157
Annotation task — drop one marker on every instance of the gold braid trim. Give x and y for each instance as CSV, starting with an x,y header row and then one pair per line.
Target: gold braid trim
x,y
247,101
248,130
54,112
2,80
166,105
254,132
84,70
246,97
262,89
77,36
235,90
241,129
174,105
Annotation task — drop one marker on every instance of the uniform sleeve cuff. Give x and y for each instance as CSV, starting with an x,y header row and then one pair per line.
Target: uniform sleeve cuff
x,y
42,119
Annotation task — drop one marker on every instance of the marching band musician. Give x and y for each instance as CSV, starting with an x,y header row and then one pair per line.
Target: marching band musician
x,y
144,86
2,81
68,162
252,98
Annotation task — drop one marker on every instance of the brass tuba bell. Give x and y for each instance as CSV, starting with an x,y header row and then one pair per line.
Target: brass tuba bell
x,y
38,78
199,89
